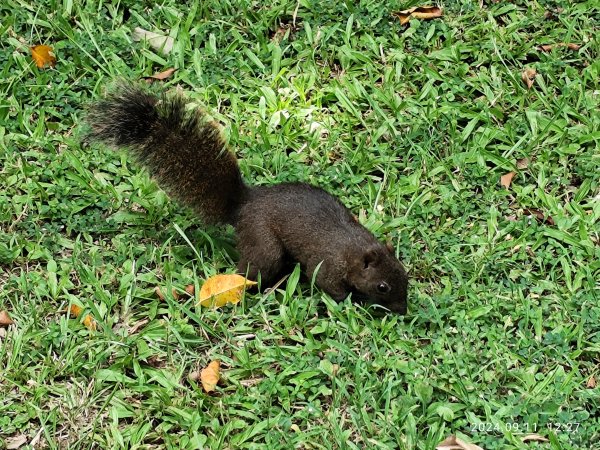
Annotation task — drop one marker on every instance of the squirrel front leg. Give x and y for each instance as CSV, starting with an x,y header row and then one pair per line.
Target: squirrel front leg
x,y
260,252
330,280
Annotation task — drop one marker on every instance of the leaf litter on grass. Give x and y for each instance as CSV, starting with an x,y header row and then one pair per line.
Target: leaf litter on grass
x,y
418,12
395,90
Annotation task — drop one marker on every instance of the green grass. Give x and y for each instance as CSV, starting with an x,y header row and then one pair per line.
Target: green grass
x,y
412,127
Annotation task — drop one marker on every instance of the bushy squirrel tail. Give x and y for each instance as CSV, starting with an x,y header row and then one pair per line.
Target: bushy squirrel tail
x,y
183,151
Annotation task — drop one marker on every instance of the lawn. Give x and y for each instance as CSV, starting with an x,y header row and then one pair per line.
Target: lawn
x,y
463,141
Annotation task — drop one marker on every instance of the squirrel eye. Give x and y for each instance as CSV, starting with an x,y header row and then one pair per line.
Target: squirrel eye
x,y
383,288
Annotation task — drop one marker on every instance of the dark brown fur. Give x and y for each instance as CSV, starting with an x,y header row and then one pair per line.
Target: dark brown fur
x,y
275,225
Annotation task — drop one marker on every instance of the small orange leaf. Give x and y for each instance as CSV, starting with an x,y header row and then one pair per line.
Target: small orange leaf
x,y
505,180
569,45
160,76
222,289
591,382
528,77
5,319
420,12
209,376
43,55
75,310
190,288
88,321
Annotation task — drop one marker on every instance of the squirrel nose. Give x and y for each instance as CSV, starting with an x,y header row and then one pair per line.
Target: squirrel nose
x,y
383,288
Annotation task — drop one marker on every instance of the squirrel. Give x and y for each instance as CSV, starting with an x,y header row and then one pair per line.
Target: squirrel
x,y
275,225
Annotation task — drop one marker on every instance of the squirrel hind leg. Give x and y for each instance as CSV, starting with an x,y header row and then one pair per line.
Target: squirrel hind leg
x,y
260,253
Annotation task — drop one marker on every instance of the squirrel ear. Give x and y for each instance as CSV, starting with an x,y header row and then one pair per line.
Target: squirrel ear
x,y
389,245
370,257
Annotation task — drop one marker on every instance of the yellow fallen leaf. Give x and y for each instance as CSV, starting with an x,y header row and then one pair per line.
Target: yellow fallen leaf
x,y
528,77
43,55
5,319
209,376
419,12
88,321
222,289
506,179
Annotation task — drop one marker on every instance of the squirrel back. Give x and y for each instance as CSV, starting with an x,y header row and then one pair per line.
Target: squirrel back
x,y
276,225
182,150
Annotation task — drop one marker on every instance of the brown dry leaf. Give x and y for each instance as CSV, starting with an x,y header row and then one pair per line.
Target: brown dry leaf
x,y
161,296
209,376
523,163
505,180
533,438
454,443
280,33
528,77
190,289
5,319
538,215
88,320
251,382
419,12
194,376
222,289
160,76
136,326
159,42
43,55
569,45
591,382
553,15
156,361
159,293
15,442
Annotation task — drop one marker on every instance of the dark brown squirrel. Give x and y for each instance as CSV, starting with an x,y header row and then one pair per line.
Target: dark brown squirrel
x,y
275,225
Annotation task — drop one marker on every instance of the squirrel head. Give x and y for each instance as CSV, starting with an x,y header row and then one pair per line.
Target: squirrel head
x,y
380,277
